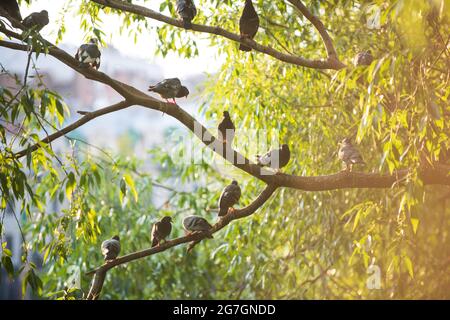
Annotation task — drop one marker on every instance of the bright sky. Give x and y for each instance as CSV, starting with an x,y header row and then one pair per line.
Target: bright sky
x,y
144,48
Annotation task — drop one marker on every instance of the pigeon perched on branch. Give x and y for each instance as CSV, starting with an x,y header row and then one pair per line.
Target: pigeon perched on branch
x,y
229,197
89,55
161,230
349,154
226,129
187,11
170,89
36,20
111,248
248,24
277,158
363,58
197,224
12,8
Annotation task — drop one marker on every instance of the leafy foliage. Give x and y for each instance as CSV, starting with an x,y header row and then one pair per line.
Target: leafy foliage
x,y
299,245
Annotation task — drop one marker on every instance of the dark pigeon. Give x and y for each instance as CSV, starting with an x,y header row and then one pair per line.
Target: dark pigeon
x,y
349,154
269,159
111,248
364,58
229,197
89,55
36,20
226,129
161,230
187,11
12,8
248,24
170,89
197,224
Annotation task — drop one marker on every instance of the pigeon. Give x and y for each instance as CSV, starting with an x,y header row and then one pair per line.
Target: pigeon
x,y
111,248
269,159
89,55
349,154
37,19
170,89
248,24
226,128
229,197
12,8
363,58
187,11
197,224
161,230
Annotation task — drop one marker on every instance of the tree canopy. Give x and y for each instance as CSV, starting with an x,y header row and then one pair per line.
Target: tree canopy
x,y
310,232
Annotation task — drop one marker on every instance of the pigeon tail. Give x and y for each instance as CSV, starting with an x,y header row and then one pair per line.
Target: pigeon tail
x,y
187,24
244,48
154,242
223,211
357,160
109,256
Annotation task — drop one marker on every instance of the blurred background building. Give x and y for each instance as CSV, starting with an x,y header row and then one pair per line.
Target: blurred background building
x,y
141,126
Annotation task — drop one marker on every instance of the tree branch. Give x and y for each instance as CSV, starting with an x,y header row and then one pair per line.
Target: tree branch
x,y
430,175
331,63
100,272
86,118
331,51
437,174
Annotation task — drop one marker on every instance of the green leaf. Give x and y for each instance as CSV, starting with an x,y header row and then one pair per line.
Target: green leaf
x,y
409,266
70,185
130,183
415,224
8,265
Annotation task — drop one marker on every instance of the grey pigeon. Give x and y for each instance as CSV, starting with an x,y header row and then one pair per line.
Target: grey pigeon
x,y
248,24
269,159
161,230
111,248
37,20
187,11
89,55
197,224
226,129
363,58
170,89
349,154
12,8
229,197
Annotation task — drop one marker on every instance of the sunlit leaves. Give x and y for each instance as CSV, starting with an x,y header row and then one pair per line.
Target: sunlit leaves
x,y
130,183
396,110
6,260
32,279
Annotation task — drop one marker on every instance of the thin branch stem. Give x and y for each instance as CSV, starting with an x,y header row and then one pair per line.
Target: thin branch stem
x,y
331,63
100,272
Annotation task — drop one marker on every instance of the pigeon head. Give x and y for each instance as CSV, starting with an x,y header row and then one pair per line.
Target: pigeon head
x,y
226,114
166,219
44,13
116,237
183,92
234,182
284,147
93,40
